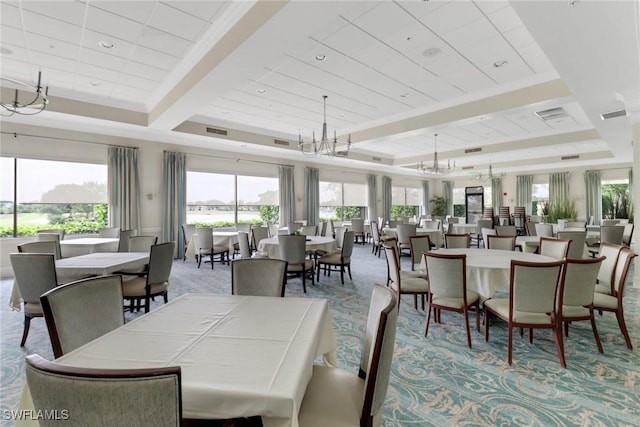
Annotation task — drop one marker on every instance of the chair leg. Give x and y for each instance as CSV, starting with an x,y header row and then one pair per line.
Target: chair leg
x,y
557,337
596,336
342,274
623,328
25,332
466,324
510,344
351,278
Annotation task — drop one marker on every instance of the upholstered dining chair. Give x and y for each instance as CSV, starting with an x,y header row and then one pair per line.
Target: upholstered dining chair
x,y
544,230
530,228
123,243
357,226
81,311
322,228
608,234
339,235
244,248
505,243
188,230
58,231
606,274
405,231
309,230
35,274
338,261
506,230
577,246
452,241
258,277
139,244
155,282
109,232
410,283
627,234
614,302
555,248
447,289
206,246
531,303
477,236
292,250
294,226
486,232
105,397
258,233
44,247
335,397
419,245
52,237
577,293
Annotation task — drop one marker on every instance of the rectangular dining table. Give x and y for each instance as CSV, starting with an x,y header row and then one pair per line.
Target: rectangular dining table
x,y
240,356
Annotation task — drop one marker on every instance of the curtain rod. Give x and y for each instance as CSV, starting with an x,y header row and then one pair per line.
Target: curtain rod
x,y
211,156
16,134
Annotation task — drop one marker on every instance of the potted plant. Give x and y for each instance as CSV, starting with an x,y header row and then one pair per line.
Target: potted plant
x,y
562,209
438,207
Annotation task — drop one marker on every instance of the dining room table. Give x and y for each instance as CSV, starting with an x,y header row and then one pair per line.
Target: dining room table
x,y
435,235
93,264
229,238
87,245
240,356
271,248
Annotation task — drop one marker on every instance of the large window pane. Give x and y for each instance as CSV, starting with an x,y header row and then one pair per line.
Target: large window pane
x,y
405,201
342,201
330,199
540,199
211,199
258,199
6,196
615,199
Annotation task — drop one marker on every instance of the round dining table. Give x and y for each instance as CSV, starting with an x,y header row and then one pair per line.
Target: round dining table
x,y
270,246
489,269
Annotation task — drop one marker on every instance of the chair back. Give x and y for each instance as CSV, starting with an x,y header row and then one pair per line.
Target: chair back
x,y
611,234
204,238
483,223
52,237
309,230
258,233
486,232
419,245
375,232
243,244
577,245
160,263
35,274
141,243
339,233
109,232
446,274
258,277
608,222
377,353
109,397
533,286
576,224
188,230
453,220
123,243
347,243
505,243
405,231
357,225
46,247
622,269
555,248
244,227
611,253
627,234
579,281
294,226
506,230
430,224
457,241
58,231
530,228
393,223
393,266
292,249
81,311
544,230
323,228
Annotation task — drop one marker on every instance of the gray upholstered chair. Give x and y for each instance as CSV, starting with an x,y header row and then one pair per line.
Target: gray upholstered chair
x,y
258,233
322,228
627,234
447,285
155,282
123,243
357,226
110,397
577,293
58,231
205,246
555,248
81,311
452,241
243,245
52,237
610,222
577,246
339,235
486,232
242,227
35,274
309,230
544,230
531,303
411,283
606,274
109,232
608,234
505,243
482,223
139,244
530,228
44,247
613,302
405,231
506,230
188,230
338,397
294,226
338,261
292,250
419,245
258,276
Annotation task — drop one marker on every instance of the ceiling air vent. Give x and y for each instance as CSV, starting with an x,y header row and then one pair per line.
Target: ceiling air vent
x,y
552,113
573,157
281,142
217,131
466,168
613,114
472,150
376,159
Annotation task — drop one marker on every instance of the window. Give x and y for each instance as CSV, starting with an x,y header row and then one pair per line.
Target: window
x,y
52,194
459,207
223,200
540,199
342,201
405,201
615,199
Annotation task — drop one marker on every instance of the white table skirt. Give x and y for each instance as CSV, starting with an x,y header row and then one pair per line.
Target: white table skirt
x,y
528,243
435,235
240,356
95,264
272,249
464,228
87,245
219,238
489,269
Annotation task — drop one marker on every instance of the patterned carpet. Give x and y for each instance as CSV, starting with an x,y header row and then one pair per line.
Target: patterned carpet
x,y
435,381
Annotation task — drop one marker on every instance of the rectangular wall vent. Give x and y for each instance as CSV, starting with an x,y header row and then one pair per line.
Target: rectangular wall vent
x,y
466,168
551,113
376,159
217,131
472,150
573,157
281,142
613,114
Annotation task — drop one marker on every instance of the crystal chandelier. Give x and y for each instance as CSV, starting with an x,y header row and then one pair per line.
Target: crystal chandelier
x,y
436,168
324,147
490,175
28,100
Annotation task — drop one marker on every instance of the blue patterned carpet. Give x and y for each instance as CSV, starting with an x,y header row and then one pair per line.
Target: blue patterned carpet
x,y
438,380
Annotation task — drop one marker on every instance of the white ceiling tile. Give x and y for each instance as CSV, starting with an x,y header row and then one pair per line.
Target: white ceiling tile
x,y
207,10
53,61
154,58
489,7
137,10
471,35
100,73
142,70
101,59
58,79
452,15
10,15
164,42
14,69
176,22
506,19
393,17
44,44
113,25
137,82
349,40
411,37
71,12
39,24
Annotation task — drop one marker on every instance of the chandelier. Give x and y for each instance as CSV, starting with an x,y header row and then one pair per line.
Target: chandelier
x,y
28,100
490,175
324,147
436,168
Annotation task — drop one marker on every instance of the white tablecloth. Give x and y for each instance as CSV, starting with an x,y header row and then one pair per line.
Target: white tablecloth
x,y
272,249
95,264
528,243
88,245
219,238
435,235
465,228
489,269
240,356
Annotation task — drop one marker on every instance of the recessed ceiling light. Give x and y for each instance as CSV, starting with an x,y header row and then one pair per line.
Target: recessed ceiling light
x,y
573,3
261,91
5,51
105,44
404,94
432,51
52,46
95,84
321,57
499,64
225,112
